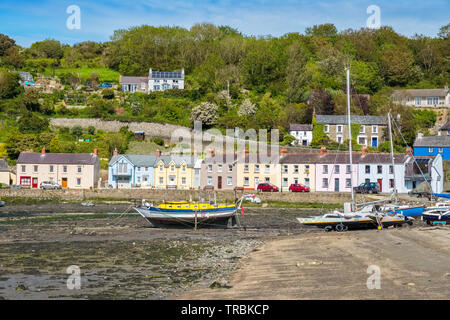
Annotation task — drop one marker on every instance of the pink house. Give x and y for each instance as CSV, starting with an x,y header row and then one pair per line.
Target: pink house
x,y
333,172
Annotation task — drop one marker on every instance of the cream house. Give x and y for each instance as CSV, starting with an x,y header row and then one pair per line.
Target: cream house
x,y
254,169
6,175
174,172
72,171
298,169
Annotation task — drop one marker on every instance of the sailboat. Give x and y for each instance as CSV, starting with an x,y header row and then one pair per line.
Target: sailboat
x,y
368,216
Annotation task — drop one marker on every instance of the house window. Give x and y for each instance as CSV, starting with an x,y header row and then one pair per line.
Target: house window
x,y
325,169
138,179
230,181
183,181
367,169
363,129
295,169
246,181
35,168
430,150
307,169
65,169
441,150
418,101
325,183
432,101
391,170
348,183
172,168
285,169
219,168
339,139
143,86
267,168
210,168
391,183
51,169
161,180
256,168
380,169
246,168
349,169
230,168
327,128
374,129
123,168
306,182
23,168
285,182
79,169
339,129
183,168
78,181
161,168
362,141
156,88
336,169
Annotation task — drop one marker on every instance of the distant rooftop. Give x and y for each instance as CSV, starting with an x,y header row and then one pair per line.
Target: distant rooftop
x,y
166,75
421,93
57,158
343,119
433,141
301,127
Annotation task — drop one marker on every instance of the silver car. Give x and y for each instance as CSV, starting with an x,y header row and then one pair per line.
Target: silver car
x,y
50,185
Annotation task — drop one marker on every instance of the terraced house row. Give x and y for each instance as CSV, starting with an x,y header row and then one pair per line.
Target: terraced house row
x,y
321,172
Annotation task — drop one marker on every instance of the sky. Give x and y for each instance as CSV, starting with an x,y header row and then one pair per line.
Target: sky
x,y
27,21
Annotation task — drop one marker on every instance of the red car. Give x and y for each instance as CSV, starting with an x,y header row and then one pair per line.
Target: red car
x,y
267,187
298,188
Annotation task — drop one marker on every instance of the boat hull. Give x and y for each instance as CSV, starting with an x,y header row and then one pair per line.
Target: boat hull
x,y
429,217
408,212
353,224
219,218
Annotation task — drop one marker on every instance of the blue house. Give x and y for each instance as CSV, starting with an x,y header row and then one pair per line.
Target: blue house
x,y
432,146
131,171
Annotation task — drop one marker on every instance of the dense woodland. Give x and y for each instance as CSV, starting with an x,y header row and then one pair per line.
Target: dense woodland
x,y
272,81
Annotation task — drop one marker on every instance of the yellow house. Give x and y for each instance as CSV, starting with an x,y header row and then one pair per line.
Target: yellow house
x,y
255,169
298,169
175,172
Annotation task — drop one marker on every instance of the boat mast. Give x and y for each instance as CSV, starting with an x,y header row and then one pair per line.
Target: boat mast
x,y
350,134
392,156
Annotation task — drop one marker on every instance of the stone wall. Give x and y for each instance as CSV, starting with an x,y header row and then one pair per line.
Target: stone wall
x,y
151,129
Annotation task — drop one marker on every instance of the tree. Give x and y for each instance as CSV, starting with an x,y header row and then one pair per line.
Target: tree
x,y
108,94
9,84
444,32
322,30
32,123
247,108
396,63
31,99
206,112
5,44
269,112
91,130
17,142
297,74
47,49
77,131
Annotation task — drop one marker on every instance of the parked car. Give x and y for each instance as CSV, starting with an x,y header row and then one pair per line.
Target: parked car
x,y
49,185
267,187
296,187
367,187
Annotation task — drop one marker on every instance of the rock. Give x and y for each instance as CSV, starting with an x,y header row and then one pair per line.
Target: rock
x,y
21,287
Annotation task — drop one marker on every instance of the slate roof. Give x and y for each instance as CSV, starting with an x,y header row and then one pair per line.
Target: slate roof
x,y
445,127
221,159
342,158
420,93
300,127
178,160
133,80
3,165
343,119
433,141
57,158
137,160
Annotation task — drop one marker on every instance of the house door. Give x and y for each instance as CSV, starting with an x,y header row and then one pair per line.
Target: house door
x,y
380,182
64,182
375,142
336,185
171,180
35,183
256,183
219,183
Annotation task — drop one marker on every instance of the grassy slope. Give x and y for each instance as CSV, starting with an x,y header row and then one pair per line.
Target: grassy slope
x,y
105,74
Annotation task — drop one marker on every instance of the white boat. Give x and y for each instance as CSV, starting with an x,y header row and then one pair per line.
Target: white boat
x,y
439,207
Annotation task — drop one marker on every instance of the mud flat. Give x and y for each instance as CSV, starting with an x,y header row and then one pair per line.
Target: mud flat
x,y
121,257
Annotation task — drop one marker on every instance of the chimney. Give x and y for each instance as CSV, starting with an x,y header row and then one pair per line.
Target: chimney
x,y
323,151
283,152
419,135
116,152
95,152
213,153
150,73
158,153
446,86
365,151
43,151
182,72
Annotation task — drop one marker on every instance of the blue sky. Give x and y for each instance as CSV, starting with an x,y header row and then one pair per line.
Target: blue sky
x,y
28,21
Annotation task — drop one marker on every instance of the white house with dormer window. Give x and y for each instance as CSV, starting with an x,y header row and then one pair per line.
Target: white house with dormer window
x,y
303,134
423,98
